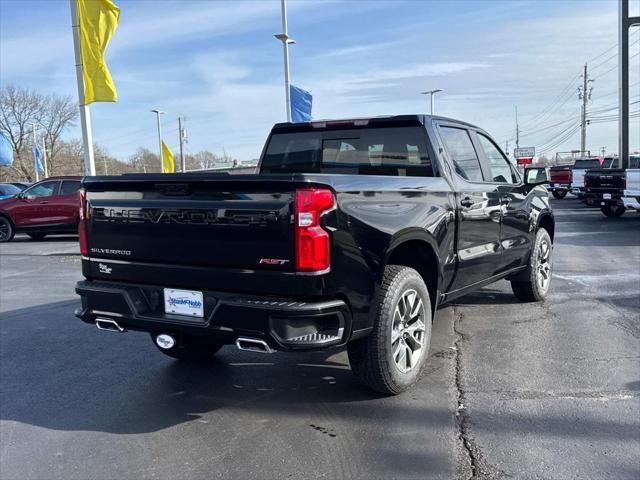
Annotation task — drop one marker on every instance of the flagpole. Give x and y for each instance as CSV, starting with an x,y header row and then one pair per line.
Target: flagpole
x,y
158,113
85,113
286,41
35,149
44,157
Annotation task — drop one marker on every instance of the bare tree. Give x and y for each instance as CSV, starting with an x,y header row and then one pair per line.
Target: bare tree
x,y
57,114
18,109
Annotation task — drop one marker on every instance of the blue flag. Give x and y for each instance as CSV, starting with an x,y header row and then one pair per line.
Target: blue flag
x,y
6,151
37,155
301,102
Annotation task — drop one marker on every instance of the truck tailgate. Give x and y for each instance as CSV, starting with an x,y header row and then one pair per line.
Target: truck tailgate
x,y
203,221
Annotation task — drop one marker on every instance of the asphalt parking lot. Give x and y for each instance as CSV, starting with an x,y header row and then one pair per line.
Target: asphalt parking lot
x,y
512,390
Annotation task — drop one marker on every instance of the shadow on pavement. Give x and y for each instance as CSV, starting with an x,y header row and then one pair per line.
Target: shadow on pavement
x,y
68,376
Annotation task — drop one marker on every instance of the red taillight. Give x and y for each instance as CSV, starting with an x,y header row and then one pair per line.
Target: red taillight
x,y
82,225
313,251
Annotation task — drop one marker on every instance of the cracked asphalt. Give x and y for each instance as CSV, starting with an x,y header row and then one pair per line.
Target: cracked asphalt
x,y
511,390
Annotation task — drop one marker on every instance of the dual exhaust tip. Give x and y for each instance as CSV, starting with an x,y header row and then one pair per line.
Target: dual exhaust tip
x,y
166,341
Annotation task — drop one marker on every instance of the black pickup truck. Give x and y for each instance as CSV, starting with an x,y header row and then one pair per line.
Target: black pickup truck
x,y
352,233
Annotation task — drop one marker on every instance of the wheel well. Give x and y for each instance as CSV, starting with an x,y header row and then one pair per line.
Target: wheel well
x,y
4,215
546,222
419,255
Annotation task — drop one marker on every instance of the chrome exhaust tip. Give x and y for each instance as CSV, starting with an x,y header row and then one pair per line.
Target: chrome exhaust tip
x,y
108,325
253,345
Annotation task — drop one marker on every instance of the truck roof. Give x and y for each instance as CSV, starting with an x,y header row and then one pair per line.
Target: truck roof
x,y
378,121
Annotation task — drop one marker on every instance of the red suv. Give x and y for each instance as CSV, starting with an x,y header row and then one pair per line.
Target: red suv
x,y
49,206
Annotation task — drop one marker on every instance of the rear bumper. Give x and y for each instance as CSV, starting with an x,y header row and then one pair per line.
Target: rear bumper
x,y
631,202
284,324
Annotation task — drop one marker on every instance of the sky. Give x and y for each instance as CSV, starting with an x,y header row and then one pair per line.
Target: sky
x,y
217,64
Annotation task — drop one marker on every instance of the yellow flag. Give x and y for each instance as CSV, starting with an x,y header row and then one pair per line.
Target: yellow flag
x,y
98,20
168,165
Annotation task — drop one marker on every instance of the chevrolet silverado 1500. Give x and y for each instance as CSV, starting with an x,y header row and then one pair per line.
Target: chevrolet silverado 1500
x,y
352,233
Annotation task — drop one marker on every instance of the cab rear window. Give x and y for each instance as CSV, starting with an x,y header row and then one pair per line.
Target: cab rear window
x,y
399,151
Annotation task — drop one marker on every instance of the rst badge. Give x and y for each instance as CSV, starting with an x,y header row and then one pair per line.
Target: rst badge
x,y
272,261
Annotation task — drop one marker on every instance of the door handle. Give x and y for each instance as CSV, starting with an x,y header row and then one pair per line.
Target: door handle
x,y
505,200
43,202
466,202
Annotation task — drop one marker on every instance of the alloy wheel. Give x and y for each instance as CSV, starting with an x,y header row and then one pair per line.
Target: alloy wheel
x,y
408,331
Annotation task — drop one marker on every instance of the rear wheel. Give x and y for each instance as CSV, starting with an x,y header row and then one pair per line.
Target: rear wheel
x,y
392,358
533,284
184,349
37,236
559,194
613,211
6,229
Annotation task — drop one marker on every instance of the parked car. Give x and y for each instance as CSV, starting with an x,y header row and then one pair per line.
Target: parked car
x,y
352,233
580,167
560,180
49,206
21,185
7,190
631,194
607,188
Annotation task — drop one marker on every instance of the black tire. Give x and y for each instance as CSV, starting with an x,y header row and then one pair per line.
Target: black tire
x,y
613,211
559,194
376,359
37,236
529,286
189,351
7,231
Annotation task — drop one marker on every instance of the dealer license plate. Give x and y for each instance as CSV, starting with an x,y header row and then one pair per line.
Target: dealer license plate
x,y
183,302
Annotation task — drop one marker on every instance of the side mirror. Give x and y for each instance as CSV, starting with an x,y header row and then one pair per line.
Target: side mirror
x,y
536,176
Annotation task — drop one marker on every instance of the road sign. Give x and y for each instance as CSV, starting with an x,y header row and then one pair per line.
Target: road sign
x,y
524,152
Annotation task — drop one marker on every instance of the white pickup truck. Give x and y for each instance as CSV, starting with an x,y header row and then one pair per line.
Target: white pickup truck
x,y
631,196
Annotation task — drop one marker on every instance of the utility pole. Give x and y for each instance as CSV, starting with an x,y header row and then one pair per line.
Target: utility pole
x,y
181,134
584,95
158,113
625,22
517,130
603,150
286,41
506,147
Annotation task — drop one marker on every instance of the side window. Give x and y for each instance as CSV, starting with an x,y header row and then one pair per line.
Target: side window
x,y
69,187
460,147
500,167
44,189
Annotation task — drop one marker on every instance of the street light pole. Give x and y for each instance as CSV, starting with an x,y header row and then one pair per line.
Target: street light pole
x,y
431,93
286,41
158,113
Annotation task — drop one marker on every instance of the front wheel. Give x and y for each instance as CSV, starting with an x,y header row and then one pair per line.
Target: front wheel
x,y
184,349
391,359
6,230
533,284
613,211
559,194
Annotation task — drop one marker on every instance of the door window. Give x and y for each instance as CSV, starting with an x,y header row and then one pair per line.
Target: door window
x,y
44,189
70,187
464,156
501,170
